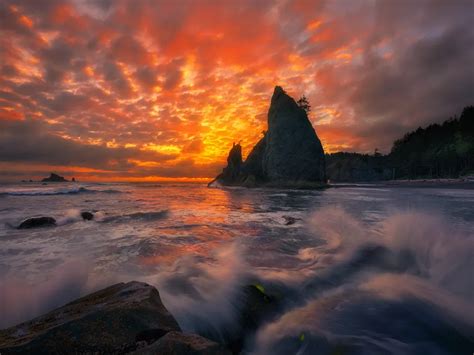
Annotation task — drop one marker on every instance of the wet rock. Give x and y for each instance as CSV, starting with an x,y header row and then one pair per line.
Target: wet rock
x,y
87,216
149,336
105,322
177,343
54,178
257,307
37,222
290,220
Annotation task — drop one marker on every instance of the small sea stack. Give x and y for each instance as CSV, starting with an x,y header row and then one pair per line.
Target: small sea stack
x,y
54,178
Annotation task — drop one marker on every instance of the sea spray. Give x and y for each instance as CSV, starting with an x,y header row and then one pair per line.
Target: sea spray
x,y
347,304
71,215
202,294
21,300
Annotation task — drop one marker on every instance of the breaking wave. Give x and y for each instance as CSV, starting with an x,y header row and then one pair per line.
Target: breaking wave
x,y
402,286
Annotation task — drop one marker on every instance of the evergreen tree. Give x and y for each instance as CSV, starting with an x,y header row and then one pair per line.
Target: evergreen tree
x,y
304,104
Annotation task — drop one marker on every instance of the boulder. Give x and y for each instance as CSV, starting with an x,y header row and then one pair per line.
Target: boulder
x,y
289,155
256,307
54,178
37,222
177,343
290,220
87,216
109,321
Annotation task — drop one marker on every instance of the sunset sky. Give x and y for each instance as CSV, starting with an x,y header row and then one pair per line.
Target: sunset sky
x,y
130,90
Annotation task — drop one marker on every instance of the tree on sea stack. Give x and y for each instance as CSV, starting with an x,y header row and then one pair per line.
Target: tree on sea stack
x,y
304,104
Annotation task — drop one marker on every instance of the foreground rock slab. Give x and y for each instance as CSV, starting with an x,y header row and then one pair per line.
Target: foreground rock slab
x,y
107,322
177,343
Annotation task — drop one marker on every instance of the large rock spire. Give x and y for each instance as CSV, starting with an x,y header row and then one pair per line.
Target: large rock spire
x,y
293,150
289,154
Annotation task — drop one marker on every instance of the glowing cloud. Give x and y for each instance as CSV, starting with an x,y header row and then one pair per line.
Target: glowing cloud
x,y
159,89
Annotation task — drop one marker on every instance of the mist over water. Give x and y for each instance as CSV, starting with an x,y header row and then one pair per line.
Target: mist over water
x,y
361,271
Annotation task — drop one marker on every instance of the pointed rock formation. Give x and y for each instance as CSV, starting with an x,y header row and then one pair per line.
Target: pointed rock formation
x,y
234,164
289,154
293,150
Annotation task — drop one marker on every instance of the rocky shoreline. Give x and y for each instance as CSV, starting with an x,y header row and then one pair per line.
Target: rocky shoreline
x,y
460,183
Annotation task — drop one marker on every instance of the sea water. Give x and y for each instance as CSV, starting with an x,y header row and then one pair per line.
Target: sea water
x,y
359,270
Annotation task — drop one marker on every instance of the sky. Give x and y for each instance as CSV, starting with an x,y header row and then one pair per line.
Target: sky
x,y
159,90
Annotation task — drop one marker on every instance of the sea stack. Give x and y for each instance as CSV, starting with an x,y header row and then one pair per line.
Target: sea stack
x,y
54,178
289,154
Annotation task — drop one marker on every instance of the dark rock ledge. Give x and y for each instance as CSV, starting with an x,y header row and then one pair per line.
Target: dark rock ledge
x,y
120,319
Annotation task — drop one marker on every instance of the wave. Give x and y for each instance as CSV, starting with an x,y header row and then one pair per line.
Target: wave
x,y
365,319
53,192
403,286
74,215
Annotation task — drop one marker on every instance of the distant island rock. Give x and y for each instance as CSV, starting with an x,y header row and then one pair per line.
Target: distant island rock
x,y
290,153
54,178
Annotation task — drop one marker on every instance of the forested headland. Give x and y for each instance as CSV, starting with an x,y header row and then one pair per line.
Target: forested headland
x,y
443,150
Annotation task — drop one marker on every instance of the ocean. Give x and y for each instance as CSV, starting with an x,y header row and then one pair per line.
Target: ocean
x,y
357,270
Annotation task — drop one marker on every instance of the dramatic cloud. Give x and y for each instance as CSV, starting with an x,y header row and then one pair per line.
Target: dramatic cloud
x,y
149,89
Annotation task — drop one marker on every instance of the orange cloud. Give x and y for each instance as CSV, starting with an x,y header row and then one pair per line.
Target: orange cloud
x,y
163,88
